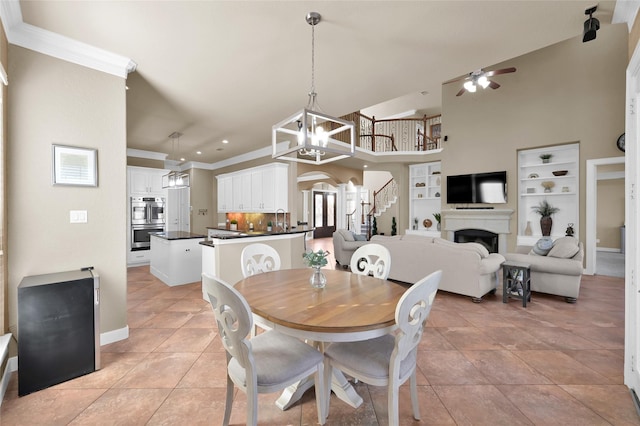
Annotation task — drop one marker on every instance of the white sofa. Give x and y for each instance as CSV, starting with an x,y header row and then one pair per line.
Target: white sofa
x,y
557,272
467,268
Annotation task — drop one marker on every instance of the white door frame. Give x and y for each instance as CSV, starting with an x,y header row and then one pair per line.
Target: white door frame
x,y
592,208
632,210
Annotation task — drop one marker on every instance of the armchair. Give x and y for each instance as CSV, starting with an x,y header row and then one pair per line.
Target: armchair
x,y
344,244
557,272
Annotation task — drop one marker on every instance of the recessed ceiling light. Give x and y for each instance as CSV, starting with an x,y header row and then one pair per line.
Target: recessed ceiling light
x,y
424,93
198,152
365,166
219,149
225,141
182,159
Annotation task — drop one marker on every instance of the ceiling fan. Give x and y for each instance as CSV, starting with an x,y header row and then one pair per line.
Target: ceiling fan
x,y
479,78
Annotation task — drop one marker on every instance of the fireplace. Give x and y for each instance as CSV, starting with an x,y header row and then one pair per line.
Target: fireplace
x,y
486,238
494,221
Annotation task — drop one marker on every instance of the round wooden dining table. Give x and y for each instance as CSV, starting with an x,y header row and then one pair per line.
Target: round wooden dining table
x,y
349,308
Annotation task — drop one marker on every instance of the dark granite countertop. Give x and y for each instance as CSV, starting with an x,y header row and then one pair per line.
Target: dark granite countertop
x,y
178,235
250,234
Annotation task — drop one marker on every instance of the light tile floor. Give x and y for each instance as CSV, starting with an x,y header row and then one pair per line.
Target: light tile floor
x,y
479,364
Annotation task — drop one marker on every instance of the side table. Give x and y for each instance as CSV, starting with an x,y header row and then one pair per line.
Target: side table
x,y
516,281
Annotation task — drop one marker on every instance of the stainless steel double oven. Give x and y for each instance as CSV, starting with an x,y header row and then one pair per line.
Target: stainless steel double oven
x,y
147,217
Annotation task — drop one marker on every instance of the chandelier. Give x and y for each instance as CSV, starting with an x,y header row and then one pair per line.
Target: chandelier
x,y
175,179
311,136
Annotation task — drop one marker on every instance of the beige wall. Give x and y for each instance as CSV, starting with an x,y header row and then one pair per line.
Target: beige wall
x,y
202,197
53,101
610,214
568,92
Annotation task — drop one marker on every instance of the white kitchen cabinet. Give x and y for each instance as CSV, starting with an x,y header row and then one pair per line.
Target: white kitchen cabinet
x,y
425,182
225,193
145,181
178,210
241,184
176,262
563,191
262,189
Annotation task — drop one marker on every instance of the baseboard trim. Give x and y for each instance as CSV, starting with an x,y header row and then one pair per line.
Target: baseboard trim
x,y
114,336
607,249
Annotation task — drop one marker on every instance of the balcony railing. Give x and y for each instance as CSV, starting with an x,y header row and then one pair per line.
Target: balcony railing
x,y
401,134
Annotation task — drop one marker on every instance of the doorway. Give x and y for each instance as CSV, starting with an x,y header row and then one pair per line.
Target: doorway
x,y
324,214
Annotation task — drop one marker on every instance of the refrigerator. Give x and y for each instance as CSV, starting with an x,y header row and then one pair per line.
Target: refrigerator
x,y
58,328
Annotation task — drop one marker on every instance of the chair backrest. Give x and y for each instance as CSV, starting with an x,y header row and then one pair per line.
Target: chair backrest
x,y
372,259
258,258
412,312
234,319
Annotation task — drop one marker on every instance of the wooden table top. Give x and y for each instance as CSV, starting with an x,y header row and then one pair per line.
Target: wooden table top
x,y
349,303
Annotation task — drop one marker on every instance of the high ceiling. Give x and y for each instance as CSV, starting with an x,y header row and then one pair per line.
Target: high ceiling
x,y
216,70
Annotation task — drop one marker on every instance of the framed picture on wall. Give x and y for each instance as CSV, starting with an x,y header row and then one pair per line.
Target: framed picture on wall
x,y
435,131
75,166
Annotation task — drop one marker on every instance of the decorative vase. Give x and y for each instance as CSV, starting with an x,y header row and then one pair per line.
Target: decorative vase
x,y
438,226
527,230
233,226
317,279
545,225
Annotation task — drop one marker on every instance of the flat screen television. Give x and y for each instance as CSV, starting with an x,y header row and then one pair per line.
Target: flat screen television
x,y
477,188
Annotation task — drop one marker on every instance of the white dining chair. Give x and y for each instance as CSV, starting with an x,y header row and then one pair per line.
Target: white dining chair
x,y
389,360
371,259
267,363
257,258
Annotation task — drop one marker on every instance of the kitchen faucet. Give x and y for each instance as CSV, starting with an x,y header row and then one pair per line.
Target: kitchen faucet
x,y
284,217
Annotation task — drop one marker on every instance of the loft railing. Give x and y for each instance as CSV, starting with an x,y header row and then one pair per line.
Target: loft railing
x,y
398,134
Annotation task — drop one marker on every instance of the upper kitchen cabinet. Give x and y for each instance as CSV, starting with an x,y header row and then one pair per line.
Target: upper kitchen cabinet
x,y
262,189
145,181
225,193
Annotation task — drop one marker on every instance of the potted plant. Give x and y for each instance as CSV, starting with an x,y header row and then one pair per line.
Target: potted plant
x,y
316,260
438,217
233,224
546,157
545,210
269,226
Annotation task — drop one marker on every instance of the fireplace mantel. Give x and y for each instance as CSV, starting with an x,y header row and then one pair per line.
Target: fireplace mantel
x,y
493,220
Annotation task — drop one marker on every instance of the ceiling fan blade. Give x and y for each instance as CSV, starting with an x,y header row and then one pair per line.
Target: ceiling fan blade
x,y
498,72
493,84
461,92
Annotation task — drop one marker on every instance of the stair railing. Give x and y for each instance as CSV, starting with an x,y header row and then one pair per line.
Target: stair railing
x,y
384,195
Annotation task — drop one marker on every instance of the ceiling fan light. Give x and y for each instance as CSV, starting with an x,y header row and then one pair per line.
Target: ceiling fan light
x,y
483,81
470,86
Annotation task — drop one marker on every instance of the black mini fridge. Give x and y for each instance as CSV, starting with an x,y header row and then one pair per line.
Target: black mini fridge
x,y
58,328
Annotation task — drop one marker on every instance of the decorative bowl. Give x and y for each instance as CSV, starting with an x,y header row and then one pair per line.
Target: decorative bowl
x,y
427,223
560,172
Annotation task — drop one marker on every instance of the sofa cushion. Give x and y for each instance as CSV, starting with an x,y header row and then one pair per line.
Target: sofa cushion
x,y
564,248
360,237
475,247
346,235
542,246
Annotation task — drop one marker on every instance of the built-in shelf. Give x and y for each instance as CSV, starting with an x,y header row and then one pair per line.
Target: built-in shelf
x,y
532,172
424,196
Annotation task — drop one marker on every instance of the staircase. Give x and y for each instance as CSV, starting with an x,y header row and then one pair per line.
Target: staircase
x,y
385,197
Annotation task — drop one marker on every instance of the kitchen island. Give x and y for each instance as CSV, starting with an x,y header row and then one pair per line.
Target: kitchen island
x,y
221,252
176,257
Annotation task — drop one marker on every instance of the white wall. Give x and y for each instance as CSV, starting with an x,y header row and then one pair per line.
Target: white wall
x,y
52,101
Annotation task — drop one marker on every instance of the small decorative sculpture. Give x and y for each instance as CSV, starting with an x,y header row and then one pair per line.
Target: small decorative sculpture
x,y
569,231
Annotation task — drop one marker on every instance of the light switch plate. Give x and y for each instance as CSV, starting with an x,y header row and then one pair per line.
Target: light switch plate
x,y
77,216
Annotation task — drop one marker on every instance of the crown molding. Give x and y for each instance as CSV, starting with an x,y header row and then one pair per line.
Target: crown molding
x,y
61,47
149,155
